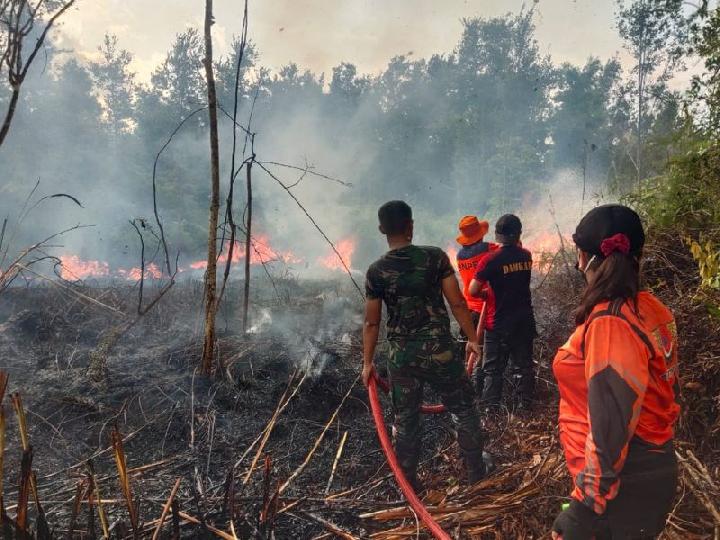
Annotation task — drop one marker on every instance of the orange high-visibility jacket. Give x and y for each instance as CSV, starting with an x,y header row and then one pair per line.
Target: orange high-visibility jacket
x,y
468,259
618,381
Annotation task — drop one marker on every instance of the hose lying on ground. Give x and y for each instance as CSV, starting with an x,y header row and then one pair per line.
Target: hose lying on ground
x,y
405,486
412,498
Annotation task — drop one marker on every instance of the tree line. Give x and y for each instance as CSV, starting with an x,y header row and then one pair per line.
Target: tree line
x,y
479,129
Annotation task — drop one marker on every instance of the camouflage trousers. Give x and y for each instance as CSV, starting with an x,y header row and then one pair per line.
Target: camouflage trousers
x,y
411,365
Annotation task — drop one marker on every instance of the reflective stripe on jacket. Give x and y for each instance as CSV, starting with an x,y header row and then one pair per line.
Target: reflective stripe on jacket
x,y
618,380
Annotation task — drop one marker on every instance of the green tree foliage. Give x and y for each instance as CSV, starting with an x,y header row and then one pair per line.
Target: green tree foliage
x,y
479,130
589,120
705,91
685,197
655,34
114,84
226,67
176,89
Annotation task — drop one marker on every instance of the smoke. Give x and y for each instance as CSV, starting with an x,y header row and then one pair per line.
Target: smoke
x,y
447,140
555,210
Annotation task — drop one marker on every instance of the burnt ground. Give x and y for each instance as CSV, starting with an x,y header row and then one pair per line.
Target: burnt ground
x,y
301,359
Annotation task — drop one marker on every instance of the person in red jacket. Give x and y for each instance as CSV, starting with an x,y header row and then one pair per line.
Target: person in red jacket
x,y
503,278
473,251
618,382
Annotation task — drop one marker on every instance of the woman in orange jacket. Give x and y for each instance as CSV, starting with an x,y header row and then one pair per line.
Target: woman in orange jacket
x,y
618,382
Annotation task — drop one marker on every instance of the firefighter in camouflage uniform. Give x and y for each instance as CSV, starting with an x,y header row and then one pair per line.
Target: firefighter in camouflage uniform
x,y
414,282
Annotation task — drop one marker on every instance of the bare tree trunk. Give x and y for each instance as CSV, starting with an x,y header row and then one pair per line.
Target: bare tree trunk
x,y
211,273
248,245
642,77
12,106
641,105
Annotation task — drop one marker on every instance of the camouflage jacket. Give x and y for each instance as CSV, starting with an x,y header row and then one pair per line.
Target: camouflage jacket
x,y
408,280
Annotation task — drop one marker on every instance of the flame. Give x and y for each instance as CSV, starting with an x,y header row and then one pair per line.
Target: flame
x,y
152,271
345,248
547,242
260,253
198,265
544,246
74,268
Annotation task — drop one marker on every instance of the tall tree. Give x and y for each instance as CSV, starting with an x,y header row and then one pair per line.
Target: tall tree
x,y
208,353
500,101
177,86
706,87
226,73
655,33
115,84
584,116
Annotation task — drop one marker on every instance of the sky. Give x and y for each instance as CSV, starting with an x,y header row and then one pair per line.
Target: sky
x,y
319,34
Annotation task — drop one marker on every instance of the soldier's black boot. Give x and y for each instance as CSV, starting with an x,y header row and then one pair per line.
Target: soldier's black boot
x,y
479,465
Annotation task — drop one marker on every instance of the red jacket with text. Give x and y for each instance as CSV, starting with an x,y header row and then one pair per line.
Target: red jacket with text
x,y
618,381
468,259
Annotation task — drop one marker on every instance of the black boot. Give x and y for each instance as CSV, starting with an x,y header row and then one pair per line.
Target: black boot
x,y
479,465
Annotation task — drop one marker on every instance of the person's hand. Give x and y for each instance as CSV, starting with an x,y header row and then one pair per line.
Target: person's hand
x,y
576,523
367,373
472,347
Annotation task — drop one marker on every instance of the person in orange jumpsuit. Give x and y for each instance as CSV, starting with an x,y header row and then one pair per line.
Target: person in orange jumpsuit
x,y
473,251
618,382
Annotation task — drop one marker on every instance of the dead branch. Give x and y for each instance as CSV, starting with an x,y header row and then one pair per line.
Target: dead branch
x,y
142,265
154,187
248,242
265,435
3,385
331,527
319,440
701,483
166,509
94,497
214,530
13,268
77,501
18,23
317,227
121,463
24,489
335,462
229,217
308,169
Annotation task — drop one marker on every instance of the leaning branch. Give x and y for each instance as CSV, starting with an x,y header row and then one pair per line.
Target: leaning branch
x,y
154,186
317,227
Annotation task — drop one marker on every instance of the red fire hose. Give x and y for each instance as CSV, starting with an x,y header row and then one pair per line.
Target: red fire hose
x,y
405,486
415,503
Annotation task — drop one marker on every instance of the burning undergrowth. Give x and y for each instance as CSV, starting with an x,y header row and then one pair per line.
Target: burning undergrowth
x,y
263,253
280,442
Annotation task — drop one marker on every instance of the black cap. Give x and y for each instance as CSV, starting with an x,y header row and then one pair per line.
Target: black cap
x,y
605,221
508,225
